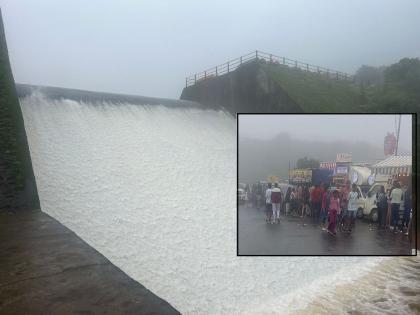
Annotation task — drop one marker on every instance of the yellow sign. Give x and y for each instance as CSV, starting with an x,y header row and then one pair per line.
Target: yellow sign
x,y
300,175
272,179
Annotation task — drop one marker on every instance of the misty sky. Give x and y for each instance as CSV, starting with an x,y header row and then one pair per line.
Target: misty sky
x,y
147,48
368,128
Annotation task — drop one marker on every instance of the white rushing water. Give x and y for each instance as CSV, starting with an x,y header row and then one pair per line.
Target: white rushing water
x,y
154,190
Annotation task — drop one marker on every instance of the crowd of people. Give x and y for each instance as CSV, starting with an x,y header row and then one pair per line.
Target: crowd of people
x,y
333,207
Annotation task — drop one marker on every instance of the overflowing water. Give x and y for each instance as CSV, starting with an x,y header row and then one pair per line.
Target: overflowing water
x,y
153,188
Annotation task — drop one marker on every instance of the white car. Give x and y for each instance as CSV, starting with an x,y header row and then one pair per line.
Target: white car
x,y
242,196
370,209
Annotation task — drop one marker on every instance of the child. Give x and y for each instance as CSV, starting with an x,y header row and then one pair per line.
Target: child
x,y
334,209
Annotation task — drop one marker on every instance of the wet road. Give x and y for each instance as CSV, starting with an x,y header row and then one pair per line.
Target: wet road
x,y
256,237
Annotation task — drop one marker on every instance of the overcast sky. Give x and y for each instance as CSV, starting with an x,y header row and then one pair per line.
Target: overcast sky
x,y
369,128
148,47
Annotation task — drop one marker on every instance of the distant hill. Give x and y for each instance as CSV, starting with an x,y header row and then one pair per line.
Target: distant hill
x,y
260,158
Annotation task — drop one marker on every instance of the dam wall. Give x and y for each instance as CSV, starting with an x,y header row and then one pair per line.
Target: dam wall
x,y
17,183
247,89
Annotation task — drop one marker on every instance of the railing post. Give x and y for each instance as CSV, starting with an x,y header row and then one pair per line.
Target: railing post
x,y
256,54
271,58
240,60
205,74
216,71
307,67
186,82
195,78
228,66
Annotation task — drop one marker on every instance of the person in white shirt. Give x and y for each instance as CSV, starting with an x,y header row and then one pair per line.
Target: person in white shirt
x,y
268,205
396,197
276,198
351,208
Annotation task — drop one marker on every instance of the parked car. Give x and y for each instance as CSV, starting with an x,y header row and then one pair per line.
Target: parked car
x,y
242,196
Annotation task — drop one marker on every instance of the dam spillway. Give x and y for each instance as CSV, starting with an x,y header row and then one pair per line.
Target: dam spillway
x,y
153,188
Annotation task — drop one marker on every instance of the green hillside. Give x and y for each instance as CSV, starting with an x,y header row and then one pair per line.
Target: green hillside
x,y
317,93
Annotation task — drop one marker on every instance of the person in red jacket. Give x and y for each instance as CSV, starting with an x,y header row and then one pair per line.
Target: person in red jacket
x,y
276,201
316,196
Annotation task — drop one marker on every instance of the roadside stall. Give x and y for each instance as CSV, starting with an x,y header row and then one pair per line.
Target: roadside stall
x,y
397,166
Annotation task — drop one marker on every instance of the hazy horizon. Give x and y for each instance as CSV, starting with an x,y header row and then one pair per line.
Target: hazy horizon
x,y
327,128
149,48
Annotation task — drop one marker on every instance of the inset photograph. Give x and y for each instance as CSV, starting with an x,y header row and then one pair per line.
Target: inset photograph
x,y
312,184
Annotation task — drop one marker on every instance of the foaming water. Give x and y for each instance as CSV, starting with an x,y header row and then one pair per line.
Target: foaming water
x,y
154,190
392,287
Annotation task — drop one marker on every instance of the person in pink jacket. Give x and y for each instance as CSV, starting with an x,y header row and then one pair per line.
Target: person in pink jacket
x,y
334,209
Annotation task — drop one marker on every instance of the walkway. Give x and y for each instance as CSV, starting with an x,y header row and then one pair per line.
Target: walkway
x,y
47,269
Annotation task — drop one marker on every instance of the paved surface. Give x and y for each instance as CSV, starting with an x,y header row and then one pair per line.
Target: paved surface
x,y
256,237
46,269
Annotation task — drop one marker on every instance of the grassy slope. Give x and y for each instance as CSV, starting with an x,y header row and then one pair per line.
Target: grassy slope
x,y
317,93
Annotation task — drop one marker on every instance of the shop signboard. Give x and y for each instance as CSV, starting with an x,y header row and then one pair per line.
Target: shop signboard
x,y
341,170
298,176
327,165
343,158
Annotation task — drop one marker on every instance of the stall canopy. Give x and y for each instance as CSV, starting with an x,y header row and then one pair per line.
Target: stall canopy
x,y
396,164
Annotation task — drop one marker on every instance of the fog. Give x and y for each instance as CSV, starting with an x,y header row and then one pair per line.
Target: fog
x,y
328,128
148,48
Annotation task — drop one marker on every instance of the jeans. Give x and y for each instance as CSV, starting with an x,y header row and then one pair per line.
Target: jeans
x,y
324,215
268,209
395,207
276,211
406,219
351,214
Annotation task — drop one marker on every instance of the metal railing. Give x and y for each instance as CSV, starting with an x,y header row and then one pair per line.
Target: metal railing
x,y
234,64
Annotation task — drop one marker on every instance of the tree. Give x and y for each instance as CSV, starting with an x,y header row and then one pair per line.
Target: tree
x,y
368,75
401,92
307,163
405,74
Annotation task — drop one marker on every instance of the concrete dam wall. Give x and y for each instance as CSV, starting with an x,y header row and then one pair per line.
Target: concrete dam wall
x,y
247,89
17,182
